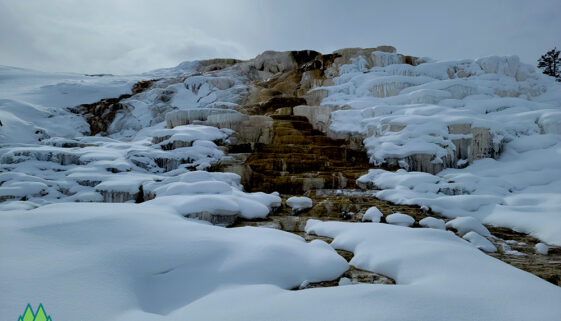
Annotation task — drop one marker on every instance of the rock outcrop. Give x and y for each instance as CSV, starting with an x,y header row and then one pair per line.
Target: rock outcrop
x,y
248,97
299,159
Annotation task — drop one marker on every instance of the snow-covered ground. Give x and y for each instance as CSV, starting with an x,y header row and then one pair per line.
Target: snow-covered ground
x,y
133,262
495,115
46,159
32,102
146,262
62,244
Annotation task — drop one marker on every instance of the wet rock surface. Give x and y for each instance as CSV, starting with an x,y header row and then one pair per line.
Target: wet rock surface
x,y
300,159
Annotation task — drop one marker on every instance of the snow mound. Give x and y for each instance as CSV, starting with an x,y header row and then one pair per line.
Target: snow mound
x,y
142,258
372,214
432,222
467,224
400,219
480,242
542,248
520,190
438,275
299,203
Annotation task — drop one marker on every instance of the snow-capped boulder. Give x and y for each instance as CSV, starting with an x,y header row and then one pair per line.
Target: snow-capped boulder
x,y
480,242
542,248
467,224
299,203
373,215
433,222
400,219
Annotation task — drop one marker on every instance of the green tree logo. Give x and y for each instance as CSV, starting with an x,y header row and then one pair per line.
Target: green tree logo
x,y
40,315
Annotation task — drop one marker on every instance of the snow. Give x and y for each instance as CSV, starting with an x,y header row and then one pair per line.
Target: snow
x,y
103,261
61,89
520,190
542,248
495,119
188,134
116,171
230,203
345,281
43,160
439,276
372,214
299,203
215,193
432,222
56,251
468,224
43,151
32,103
509,251
480,242
400,219
222,89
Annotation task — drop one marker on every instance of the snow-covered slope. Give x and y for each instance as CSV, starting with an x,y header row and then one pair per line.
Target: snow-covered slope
x,y
45,159
144,262
32,103
480,138
495,114
443,114
108,261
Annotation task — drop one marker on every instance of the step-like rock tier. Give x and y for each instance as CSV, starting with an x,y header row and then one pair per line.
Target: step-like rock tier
x,y
300,158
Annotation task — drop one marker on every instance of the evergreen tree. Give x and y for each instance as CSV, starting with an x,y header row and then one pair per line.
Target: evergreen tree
x,y
551,64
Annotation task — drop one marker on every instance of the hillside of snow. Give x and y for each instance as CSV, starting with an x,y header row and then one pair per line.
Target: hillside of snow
x,y
428,116
130,223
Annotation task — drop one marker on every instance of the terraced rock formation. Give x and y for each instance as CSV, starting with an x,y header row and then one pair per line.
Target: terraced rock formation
x,y
300,159
277,137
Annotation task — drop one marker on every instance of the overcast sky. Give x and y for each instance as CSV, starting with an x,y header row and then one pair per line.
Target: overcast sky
x,y
130,36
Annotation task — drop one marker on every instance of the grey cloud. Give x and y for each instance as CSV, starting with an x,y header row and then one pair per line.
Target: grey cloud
x,y
124,36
